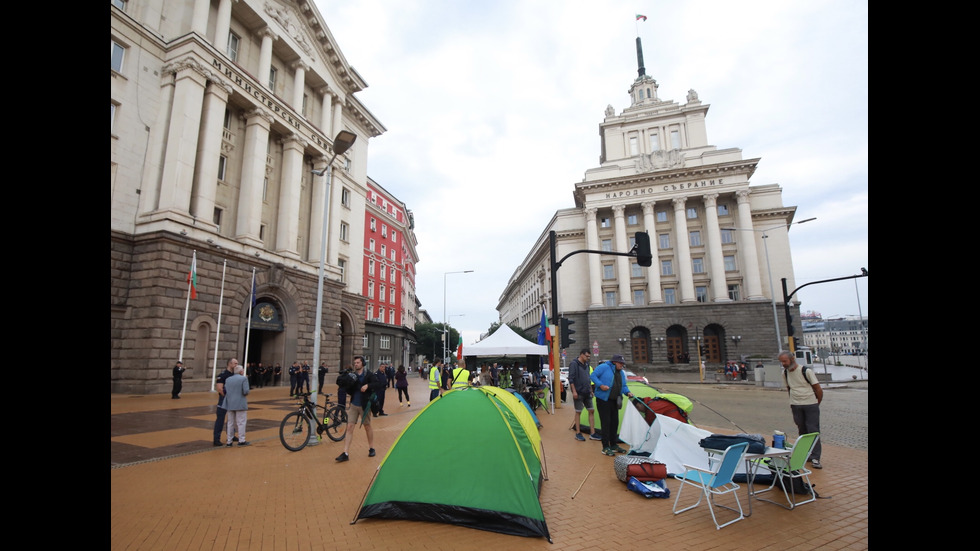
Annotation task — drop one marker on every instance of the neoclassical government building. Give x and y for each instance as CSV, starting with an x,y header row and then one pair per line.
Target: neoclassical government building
x,y
223,116
720,245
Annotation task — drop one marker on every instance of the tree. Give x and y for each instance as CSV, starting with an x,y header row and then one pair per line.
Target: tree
x,y
430,339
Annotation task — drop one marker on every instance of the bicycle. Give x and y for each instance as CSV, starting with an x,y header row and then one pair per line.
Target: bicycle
x,y
297,427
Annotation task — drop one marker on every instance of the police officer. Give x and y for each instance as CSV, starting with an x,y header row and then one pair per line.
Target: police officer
x,y
293,379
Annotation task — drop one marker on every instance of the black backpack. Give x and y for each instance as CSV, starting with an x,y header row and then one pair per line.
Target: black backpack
x,y
347,381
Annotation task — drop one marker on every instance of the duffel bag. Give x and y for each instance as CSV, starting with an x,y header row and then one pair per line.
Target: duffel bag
x,y
647,472
622,462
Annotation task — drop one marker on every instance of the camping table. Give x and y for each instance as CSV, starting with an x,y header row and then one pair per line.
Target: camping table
x,y
752,463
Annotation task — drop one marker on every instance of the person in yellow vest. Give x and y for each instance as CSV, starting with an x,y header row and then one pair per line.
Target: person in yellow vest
x,y
435,381
461,377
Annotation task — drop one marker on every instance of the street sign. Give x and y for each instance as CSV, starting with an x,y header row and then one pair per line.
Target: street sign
x,y
595,348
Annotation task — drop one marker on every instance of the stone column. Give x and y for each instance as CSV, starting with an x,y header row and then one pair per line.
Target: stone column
x,y
257,125
333,216
594,260
287,225
716,260
209,151
653,272
222,25
299,86
316,208
157,146
746,246
265,56
326,112
199,17
180,156
683,257
622,262
337,124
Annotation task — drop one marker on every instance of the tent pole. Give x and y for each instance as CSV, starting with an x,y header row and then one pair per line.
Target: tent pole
x,y
376,471
583,481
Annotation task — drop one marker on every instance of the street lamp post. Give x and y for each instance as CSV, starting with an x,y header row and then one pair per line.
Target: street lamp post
x,y
341,143
445,321
772,290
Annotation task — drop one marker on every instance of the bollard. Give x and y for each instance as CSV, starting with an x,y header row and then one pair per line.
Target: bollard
x,y
760,376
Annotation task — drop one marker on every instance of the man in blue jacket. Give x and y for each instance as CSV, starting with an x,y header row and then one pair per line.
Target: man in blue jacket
x,y
610,385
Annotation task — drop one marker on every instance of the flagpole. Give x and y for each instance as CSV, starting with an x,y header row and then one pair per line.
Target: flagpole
x,y
217,331
248,332
187,306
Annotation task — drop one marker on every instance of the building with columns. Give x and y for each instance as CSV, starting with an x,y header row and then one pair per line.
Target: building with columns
x,y
714,236
222,120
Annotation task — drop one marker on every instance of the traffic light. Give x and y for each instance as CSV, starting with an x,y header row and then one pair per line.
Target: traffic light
x,y
704,350
643,255
566,333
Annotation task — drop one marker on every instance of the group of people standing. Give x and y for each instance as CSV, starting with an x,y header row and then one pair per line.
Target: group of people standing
x,y
607,384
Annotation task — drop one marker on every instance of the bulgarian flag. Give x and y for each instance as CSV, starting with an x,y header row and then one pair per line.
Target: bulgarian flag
x,y
459,349
641,17
192,276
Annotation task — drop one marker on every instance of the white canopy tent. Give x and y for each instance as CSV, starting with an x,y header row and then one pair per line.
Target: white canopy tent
x,y
505,342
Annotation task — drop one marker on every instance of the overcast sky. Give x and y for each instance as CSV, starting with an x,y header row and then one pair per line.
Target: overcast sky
x,y
492,110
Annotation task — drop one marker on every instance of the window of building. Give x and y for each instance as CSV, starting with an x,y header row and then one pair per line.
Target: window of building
x,y
664,239
610,298
112,116
222,167
632,219
261,232
391,299
226,123
364,344
729,263
216,217
605,223
116,54
695,239
384,230
345,197
692,213
394,236
374,225
391,274
371,245
121,4
384,342
273,73
666,267
607,245
675,139
383,269
702,293
661,216
639,297
306,101
344,232
654,141
391,316
381,293
722,209
265,188
234,42
733,292
670,295
384,250
370,293
608,272
347,163
697,264
393,259
636,270
634,146
727,236
371,267
370,313
343,270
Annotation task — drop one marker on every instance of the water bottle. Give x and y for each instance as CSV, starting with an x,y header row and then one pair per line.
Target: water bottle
x,y
778,439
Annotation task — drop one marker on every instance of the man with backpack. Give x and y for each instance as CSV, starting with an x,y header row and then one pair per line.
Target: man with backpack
x,y
805,395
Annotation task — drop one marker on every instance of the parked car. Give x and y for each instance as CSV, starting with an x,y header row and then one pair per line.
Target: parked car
x,y
563,376
630,376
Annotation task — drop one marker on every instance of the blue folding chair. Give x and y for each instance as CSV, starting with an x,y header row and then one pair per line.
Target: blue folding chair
x,y
712,483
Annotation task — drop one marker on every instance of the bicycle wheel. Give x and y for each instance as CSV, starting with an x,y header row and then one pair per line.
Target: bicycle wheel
x,y
294,432
337,426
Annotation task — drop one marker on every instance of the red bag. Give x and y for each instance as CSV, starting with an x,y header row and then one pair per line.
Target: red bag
x,y
647,472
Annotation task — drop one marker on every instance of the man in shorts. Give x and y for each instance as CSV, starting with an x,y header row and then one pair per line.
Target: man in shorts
x,y
367,384
581,386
